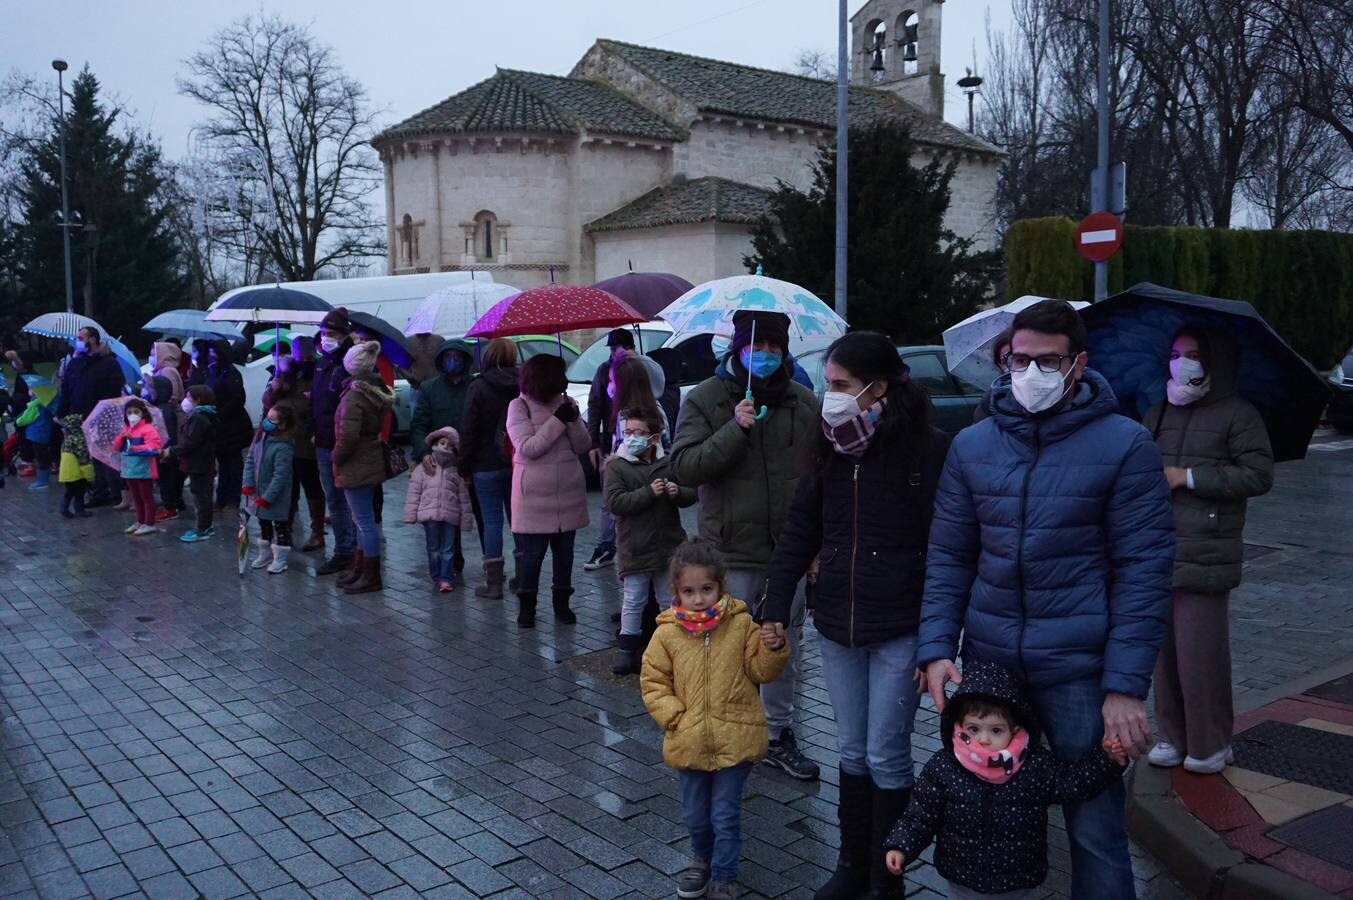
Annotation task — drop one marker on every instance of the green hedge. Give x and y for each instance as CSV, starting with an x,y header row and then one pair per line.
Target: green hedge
x,y
1300,281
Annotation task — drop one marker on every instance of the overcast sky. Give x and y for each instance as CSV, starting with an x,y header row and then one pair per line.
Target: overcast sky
x,y
413,53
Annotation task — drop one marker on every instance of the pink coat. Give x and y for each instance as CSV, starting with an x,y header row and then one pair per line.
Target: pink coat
x,y
150,440
442,496
549,492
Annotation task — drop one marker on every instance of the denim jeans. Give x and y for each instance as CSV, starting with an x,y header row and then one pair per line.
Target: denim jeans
x,y
532,548
361,502
441,542
495,491
874,702
711,809
340,517
634,597
606,537
749,585
1072,718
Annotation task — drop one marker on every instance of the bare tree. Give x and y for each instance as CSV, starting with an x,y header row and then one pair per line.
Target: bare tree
x,y
295,130
814,62
1312,51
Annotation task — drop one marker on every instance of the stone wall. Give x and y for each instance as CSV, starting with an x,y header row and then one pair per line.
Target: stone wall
x,y
753,153
698,252
972,194
598,64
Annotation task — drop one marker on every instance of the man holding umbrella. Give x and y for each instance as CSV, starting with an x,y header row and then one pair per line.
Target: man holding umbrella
x,y
1051,550
746,469
92,375
335,338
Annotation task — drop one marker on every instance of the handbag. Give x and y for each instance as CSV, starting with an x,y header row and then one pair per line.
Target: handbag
x,y
396,463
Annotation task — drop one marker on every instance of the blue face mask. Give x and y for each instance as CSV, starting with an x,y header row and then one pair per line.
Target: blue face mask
x,y
761,363
269,425
453,365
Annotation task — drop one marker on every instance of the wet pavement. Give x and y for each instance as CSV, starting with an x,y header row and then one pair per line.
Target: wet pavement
x,y
170,729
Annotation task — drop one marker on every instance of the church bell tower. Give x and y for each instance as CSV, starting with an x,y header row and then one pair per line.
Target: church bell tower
x,y
896,47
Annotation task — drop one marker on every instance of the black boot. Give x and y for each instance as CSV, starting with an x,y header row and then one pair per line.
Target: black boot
x,y
526,613
562,614
628,649
854,815
889,805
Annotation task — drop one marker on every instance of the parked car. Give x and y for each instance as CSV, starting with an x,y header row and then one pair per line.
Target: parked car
x,y
955,399
1340,411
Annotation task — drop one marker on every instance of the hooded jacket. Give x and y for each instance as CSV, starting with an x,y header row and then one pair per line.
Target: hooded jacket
x,y
1222,439
549,490
993,838
1052,544
76,463
442,496
196,446
745,478
139,444
167,359
358,455
701,689
483,424
267,469
235,430
36,421
648,527
160,391
867,522
87,379
441,402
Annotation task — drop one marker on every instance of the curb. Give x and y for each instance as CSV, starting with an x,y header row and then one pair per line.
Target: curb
x,y
1197,856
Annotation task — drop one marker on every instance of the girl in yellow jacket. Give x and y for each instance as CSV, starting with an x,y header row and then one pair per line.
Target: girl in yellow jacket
x,y
699,680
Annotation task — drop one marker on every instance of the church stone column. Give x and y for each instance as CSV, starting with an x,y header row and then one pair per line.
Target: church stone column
x,y
435,195
391,243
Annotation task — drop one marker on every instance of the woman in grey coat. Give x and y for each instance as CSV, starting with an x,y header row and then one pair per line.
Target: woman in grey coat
x,y
1217,456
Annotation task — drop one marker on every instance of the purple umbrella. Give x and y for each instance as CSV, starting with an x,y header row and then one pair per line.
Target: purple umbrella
x,y
647,292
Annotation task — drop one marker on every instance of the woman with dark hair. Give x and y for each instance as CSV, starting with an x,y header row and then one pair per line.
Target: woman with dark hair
x,y
1217,456
863,511
484,459
549,491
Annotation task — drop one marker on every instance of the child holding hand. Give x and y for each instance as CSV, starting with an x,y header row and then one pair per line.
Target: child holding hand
x,y
440,500
984,796
699,680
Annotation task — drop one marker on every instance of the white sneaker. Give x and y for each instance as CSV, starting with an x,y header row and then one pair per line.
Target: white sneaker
x,y
131,529
263,555
279,562
1165,755
1210,765
143,530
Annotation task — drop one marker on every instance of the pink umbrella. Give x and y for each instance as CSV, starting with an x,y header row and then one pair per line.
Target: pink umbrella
x,y
554,308
103,425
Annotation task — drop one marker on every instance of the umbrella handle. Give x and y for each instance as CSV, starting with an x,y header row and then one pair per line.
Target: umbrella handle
x,y
763,412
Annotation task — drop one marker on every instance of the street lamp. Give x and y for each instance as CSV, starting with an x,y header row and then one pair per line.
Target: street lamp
x,y
60,66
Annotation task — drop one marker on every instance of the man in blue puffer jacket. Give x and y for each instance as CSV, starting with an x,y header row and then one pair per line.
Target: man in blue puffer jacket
x,y
1052,550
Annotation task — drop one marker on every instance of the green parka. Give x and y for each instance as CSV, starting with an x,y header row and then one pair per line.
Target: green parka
x,y
648,527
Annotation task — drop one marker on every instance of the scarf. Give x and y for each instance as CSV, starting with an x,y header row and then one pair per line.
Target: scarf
x,y
699,621
852,437
74,441
444,457
1184,394
996,768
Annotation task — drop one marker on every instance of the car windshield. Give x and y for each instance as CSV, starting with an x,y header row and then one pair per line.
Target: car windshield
x,y
532,346
584,368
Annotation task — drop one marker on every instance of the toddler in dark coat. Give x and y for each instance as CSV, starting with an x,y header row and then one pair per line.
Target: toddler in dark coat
x,y
984,797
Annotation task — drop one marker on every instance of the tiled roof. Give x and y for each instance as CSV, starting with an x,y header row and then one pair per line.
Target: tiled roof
x,y
531,102
716,86
699,200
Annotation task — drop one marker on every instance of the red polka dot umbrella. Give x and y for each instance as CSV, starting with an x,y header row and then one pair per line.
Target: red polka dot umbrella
x,y
554,308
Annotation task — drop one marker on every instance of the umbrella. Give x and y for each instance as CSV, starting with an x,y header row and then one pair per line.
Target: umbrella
x,y
709,307
554,308
454,309
1128,340
61,325
270,304
242,539
648,292
393,345
968,345
267,341
41,388
105,423
192,323
131,367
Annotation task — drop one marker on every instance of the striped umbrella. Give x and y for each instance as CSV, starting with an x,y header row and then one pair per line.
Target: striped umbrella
x,y
61,325
270,304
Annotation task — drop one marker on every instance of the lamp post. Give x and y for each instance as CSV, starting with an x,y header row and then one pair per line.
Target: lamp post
x,y
842,142
60,66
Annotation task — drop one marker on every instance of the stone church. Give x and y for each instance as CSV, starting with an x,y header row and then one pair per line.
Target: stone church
x,y
652,159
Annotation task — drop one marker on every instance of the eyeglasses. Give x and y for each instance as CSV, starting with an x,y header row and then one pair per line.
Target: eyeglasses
x,y
1048,362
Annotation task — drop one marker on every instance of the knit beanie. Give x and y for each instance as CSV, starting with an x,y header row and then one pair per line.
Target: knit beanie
x,y
337,320
361,358
770,326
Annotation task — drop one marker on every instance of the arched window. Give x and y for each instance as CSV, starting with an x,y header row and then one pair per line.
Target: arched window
x,y
876,50
486,235
907,33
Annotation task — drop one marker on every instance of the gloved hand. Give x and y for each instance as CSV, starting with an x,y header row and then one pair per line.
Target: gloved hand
x,y
261,503
246,491
567,412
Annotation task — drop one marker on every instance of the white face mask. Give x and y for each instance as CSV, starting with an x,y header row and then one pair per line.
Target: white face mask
x,y
1188,382
1037,391
328,344
133,418
838,407
186,405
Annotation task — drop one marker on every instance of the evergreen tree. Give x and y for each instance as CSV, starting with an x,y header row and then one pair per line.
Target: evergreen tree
x,y
125,264
908,275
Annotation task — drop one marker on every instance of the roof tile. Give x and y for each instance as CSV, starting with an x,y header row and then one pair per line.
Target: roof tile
x,y
710,199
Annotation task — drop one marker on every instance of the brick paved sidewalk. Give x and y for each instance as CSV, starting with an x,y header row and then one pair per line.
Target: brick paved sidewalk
x,y
170,729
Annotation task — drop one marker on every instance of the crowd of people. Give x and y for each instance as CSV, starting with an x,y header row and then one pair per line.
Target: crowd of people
x,y
1067,555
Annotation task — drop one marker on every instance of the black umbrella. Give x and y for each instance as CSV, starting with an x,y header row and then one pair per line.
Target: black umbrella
x,y
393,344
1128,339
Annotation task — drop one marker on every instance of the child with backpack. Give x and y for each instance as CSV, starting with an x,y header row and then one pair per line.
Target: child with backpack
x,y
76,470
699,681
441,502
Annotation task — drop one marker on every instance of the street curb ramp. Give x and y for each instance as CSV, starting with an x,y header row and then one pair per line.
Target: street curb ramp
x,y
1194,854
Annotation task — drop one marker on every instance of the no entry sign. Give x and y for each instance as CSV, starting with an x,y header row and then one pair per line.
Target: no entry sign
x,y
1098,236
